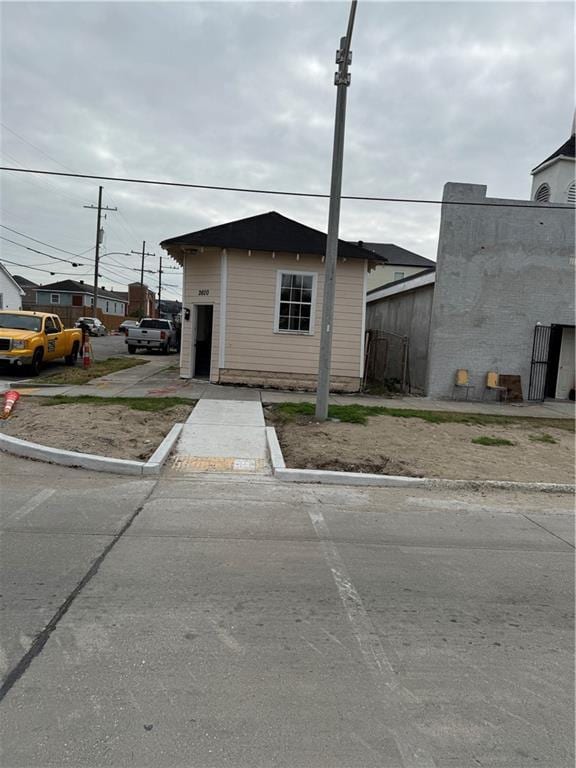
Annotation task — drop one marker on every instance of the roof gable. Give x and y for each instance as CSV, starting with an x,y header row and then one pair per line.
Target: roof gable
x,y
72,286
12,279
397,256
267,232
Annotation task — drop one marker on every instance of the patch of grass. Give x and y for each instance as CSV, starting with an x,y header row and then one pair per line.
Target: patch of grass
x,y
544,438
79,375
357,414
135,403
485,440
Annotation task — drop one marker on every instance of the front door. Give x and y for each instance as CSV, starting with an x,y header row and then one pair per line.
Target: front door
x,y
566,365
204,314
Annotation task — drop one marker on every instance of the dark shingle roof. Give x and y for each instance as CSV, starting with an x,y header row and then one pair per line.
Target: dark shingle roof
x,y
72,286
566,150
268,232
23,282
397,256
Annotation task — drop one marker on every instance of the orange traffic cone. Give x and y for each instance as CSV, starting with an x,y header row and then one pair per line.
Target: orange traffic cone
x,y
86,361
10,399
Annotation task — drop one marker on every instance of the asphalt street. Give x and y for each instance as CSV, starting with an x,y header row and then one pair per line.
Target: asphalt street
x,y
102,347
210,621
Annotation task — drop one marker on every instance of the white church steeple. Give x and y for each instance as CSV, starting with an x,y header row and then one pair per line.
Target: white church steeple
x,y
553,180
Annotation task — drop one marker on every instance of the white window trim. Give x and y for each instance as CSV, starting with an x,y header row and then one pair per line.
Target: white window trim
x,y
314,276
54,298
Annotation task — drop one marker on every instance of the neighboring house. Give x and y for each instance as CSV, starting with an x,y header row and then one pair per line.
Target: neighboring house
x,y
553,179
400,263
29,288
252,304
503,297
10,292
141,301
404,309
72,299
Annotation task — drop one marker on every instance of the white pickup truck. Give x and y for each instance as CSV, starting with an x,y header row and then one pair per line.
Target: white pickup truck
x,y
151,333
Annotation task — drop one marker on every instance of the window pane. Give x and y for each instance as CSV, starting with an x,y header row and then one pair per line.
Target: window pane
x,y
307,282
304,324
286,281
285,294
283,323
307,295
284,309
305,310
296,294
297,281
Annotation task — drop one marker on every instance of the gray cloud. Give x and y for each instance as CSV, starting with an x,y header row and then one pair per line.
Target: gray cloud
x,y
241,94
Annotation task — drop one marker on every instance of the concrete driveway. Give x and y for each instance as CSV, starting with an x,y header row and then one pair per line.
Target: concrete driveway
x,y
206,621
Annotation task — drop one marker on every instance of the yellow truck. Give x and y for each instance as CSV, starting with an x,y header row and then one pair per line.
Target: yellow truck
x,y
33,338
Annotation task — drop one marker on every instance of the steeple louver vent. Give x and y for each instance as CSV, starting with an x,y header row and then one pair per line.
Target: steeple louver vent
x,y
571,196
543,194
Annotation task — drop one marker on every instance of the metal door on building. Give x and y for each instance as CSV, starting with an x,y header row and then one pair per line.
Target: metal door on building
x,y
539,363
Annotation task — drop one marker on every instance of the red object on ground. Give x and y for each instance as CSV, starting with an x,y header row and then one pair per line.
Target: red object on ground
x,y
10,399
85,351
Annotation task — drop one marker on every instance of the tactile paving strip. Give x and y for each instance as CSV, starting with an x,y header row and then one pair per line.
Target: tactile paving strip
x,y
217,464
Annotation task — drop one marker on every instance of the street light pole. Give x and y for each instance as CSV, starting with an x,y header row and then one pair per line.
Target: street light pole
x,y
341,81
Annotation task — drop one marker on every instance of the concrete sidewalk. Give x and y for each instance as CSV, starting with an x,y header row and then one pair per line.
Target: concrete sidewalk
x,y
159,378
223,436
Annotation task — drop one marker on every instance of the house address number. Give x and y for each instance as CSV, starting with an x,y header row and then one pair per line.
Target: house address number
x,y
204,292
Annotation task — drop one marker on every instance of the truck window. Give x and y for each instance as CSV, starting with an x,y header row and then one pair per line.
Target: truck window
x,y
57,323
49,326
158,324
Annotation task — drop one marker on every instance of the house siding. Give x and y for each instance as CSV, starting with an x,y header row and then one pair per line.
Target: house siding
x,y
11,296
253,352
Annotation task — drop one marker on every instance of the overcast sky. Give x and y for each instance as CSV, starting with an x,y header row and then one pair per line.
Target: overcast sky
x,y
242,94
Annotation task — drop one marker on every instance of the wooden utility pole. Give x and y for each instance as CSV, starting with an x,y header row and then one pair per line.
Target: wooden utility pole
x,y
99,208
143,254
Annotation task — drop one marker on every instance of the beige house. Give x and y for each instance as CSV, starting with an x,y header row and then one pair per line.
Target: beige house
x,y
398,264
252,304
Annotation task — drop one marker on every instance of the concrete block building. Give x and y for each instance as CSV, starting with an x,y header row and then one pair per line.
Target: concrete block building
x,y
502,296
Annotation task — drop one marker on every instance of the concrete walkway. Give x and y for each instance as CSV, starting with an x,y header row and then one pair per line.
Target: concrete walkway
x,y
160,378
223,436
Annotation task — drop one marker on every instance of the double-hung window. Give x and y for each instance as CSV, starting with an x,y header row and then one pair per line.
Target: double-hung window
x,y
295,302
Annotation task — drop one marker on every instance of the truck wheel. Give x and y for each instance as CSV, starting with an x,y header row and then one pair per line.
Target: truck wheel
x,y
131,349
165,349
73,356
36,365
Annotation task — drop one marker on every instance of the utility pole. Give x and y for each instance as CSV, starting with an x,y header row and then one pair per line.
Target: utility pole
x,y
341,81
159,286
97,250
143,254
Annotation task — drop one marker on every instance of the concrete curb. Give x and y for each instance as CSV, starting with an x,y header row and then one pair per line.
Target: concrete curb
x,y
28,450
328,477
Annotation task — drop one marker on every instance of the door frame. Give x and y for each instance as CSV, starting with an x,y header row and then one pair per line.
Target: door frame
x,y
193,324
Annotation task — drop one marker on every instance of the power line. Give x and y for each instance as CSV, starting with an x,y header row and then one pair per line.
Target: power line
x,y
43,253
285,193
54,247
36,269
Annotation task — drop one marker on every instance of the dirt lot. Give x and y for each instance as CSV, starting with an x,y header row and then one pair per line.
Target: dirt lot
x,y
108,430
398,446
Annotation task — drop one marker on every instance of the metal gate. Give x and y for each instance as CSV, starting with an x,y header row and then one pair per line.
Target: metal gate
x,y
539,364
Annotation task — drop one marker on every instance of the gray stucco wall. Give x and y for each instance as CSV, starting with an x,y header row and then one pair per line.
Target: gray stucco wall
x,y
408,314
500,271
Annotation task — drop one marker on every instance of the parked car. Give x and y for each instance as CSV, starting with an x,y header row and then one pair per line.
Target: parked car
x,y
151,333
123,327
95,327
32,338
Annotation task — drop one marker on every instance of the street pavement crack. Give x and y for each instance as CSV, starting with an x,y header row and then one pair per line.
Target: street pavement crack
x,y
40,640
548,531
